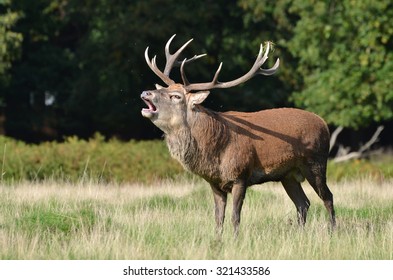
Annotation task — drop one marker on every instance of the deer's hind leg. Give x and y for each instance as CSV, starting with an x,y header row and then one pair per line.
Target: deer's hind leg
x,y
316,176
297,195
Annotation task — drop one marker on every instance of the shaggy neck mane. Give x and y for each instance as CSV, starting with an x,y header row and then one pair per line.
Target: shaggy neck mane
x,y
197,145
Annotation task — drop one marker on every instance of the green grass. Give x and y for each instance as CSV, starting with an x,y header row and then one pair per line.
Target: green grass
x,y
174,220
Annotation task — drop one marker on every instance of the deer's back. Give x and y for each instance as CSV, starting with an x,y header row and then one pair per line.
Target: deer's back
x,y
281,137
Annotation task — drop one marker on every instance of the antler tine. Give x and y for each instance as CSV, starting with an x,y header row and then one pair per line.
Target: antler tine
x,y
154,62
147,58
167,53
183,75
261,59
153,66
255,70
185,61
215,78
270,71
202,86
171,58
195,57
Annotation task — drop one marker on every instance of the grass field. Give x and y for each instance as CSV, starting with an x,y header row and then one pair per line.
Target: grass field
x,y
174,220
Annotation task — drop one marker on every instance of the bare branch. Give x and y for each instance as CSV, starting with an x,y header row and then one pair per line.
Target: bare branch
x,y
333,137
343,154
372,140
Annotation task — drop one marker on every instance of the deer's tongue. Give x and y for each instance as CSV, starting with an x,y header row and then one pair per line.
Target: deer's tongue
x,y
150,111
151,106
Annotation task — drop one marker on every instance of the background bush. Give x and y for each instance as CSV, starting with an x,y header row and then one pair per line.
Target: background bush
x,y
76,159
134,161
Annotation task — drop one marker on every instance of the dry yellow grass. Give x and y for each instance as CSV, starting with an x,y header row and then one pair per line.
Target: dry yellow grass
x,y
174,220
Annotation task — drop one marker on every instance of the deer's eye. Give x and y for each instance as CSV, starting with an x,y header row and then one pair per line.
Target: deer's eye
x,y
175,97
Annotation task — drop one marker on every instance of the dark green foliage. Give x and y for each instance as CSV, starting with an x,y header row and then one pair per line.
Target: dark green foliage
x,y
347,63
76,160
81,67
88,56
10,41
337,55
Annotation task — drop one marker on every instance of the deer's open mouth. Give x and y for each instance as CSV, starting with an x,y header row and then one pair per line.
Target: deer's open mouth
x,y
151,110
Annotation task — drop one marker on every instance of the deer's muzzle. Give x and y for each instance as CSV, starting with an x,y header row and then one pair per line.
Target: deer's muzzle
x,y
149,112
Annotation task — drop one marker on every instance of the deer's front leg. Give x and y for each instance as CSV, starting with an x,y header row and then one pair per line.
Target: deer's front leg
x,y
220,202
238,193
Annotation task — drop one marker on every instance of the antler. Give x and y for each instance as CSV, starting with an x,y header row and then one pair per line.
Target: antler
x,y
171,60
255,70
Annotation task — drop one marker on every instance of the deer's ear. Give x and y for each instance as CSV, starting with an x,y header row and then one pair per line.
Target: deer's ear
x,y
159,87
198,97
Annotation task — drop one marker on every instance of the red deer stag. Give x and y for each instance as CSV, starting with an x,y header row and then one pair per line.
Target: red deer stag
x,y
234,150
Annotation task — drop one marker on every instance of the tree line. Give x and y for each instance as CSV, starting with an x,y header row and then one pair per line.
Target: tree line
x,y
76,67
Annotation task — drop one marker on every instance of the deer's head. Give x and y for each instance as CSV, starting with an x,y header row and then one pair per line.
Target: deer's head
x,y
169,106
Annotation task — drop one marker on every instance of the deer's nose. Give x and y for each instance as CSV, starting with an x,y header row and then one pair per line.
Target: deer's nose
x,y
146,94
